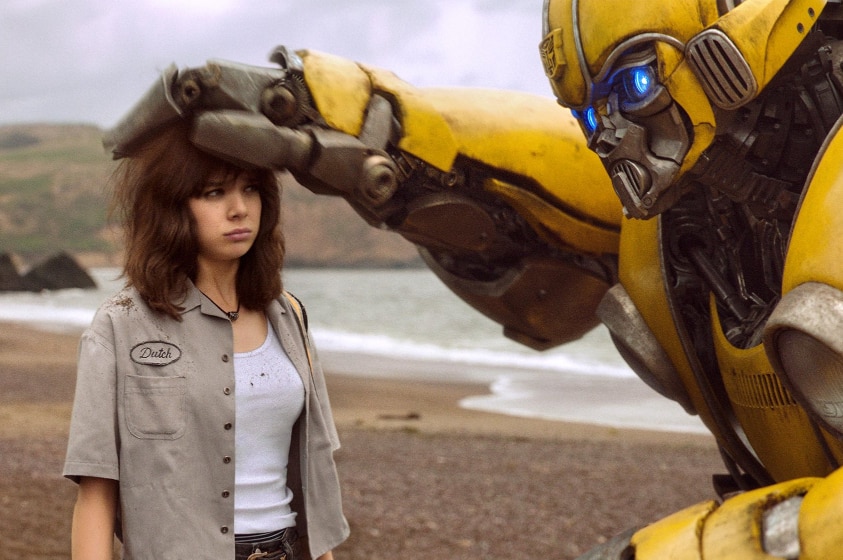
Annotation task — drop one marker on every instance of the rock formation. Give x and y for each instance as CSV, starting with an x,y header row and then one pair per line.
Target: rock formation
x,y
58,272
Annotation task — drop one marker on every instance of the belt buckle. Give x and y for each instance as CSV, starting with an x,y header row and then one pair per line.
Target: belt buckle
x,y
257,554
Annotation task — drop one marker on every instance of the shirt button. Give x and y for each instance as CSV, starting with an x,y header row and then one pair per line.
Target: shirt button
x,y
227,390
227,426
223,530
226,459
225,358
226,494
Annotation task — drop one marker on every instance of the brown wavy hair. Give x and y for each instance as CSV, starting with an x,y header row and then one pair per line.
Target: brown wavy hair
x,y
151,189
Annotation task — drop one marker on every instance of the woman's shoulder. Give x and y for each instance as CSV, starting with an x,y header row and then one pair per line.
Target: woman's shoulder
x,y
123,302
127,304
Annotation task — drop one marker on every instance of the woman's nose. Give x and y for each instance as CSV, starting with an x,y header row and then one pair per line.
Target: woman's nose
x,y
237,205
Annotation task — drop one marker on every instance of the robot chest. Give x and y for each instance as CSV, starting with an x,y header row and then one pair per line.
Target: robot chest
x,y
682,343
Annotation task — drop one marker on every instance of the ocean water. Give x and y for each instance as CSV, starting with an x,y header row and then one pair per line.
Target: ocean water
x,y
407,324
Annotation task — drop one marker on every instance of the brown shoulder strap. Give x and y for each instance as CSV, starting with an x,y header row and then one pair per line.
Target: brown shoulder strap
x,y
301,319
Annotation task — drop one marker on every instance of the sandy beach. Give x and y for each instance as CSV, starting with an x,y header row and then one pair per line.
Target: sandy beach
x,y
421,476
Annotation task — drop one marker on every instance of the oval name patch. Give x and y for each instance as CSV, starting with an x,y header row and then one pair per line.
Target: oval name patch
x,y
155,353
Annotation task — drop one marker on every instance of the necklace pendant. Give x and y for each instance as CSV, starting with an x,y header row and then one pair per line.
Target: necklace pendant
x,y
232,315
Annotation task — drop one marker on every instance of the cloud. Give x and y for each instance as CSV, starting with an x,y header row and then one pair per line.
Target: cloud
x,y
89,60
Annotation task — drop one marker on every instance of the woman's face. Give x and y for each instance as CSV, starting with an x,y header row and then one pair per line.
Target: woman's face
x,y
227,214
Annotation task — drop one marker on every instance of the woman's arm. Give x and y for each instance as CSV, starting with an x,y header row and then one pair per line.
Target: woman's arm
x,y
327,556
92,534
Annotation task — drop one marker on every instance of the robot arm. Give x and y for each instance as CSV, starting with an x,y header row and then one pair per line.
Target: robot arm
x,y
529,240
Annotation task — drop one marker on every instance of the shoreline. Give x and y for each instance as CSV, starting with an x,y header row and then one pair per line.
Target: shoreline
x,y
434,408
410,399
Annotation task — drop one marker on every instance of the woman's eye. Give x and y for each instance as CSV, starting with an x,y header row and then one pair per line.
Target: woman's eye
x,y
639,82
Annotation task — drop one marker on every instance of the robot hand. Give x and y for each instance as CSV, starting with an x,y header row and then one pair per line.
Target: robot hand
x,y
530,241
338,162
262,117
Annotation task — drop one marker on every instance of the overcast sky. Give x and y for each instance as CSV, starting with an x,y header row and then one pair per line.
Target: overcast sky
x,y
88,61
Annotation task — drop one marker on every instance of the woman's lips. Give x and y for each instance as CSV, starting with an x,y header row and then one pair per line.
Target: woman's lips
x,y
239,234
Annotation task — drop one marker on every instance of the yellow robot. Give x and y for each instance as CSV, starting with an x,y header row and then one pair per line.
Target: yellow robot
x,y
709,249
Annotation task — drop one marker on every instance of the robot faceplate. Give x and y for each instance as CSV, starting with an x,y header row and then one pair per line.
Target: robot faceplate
x,y
583,39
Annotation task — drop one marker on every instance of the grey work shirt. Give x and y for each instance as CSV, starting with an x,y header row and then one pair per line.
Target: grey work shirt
x,y
154,409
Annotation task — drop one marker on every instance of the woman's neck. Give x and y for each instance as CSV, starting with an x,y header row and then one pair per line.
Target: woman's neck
x,y
218,281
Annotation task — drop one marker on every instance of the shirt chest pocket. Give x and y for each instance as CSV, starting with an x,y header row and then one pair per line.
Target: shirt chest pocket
x,y
155,407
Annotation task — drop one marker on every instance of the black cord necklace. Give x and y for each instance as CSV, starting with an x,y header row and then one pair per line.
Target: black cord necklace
x,y
232,315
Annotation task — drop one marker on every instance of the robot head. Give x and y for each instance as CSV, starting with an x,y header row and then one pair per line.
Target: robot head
x,y
646,78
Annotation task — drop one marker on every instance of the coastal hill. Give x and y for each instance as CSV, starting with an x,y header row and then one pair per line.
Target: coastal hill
x,y
53,198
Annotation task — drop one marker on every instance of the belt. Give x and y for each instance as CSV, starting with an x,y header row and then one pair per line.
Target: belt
x,y
283,547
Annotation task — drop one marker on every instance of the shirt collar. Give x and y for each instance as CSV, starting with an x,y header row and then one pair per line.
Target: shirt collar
x,y
195,298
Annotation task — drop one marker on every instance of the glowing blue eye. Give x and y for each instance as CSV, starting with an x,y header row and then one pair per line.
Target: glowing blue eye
x,y
588,118
639,82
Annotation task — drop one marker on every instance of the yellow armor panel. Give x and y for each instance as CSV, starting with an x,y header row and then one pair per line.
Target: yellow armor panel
x,y
819,519
426,134
815,253
559,55
600,22
675,537
733,531
533,137
570,20
680,80
340,89
763,407
768,31
640,272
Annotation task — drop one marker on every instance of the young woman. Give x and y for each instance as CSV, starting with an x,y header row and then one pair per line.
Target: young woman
x,y
201,425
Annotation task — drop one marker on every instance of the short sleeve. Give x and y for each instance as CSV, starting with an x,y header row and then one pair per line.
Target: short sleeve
x,y
93,443
322,392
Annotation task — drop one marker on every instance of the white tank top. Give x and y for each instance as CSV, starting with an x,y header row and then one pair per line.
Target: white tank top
x,y
269,397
